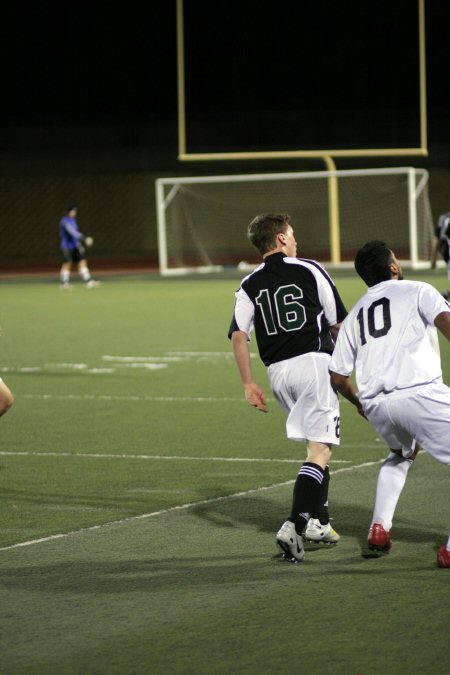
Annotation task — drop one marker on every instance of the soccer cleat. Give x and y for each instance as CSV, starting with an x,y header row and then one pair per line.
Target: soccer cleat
x,y
379,539
290,542
92,283
316,532
443,557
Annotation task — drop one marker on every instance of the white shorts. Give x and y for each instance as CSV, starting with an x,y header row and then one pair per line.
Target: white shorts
x,y
302,386
421,415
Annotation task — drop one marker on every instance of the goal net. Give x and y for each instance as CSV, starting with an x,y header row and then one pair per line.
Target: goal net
x,y
202,221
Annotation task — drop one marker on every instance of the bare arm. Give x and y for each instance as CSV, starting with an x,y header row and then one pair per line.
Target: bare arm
x,y
434,253
6,398
442,323
253,393
334,330
345,386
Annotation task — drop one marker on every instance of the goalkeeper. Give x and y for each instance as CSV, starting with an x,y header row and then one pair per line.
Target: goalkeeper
x,y
74,252
295,310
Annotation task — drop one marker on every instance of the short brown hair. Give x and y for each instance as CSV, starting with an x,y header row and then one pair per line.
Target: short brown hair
x,y
263,230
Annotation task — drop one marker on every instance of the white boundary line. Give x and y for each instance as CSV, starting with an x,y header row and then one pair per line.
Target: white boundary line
x,y
5,453
181,507
163,399
108,397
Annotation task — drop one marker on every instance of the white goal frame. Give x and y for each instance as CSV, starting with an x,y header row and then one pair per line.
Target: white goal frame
x,y
416,180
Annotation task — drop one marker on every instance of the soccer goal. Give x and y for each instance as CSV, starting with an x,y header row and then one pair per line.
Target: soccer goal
x,y
202,221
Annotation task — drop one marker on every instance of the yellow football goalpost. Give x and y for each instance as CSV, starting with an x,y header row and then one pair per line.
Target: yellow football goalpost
x,y
326,155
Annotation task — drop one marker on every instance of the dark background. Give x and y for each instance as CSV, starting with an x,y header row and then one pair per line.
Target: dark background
x,y
89,100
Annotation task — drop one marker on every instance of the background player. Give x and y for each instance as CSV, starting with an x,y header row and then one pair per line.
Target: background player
x,y
73,250
442,245
390,338
295,309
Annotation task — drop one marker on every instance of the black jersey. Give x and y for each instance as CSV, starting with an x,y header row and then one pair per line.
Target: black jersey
x,y
291,303
442,232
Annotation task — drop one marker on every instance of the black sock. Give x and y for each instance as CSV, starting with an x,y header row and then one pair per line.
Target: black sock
x,y
322,513
306,494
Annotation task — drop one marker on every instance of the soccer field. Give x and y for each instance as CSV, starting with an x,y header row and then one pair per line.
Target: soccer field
x,y
140,496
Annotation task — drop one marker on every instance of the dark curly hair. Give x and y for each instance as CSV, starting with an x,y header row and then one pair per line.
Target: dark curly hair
x,y
372,262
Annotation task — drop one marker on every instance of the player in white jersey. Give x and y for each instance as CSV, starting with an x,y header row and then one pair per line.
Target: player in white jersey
x,y
295,309
389,338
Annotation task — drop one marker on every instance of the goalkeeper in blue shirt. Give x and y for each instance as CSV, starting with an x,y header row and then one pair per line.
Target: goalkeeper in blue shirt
x,y
72,246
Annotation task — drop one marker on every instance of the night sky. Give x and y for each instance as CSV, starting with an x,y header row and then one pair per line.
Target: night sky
x,y
247,62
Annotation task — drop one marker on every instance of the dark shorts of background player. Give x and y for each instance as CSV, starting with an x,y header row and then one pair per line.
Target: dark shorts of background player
x,y
73,255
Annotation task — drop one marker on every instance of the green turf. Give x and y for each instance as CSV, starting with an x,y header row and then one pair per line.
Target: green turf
x,y
128,410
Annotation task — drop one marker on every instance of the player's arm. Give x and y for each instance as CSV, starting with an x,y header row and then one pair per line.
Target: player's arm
x,y
253,393
442,323
6,398
346,387
73,232
434,253
334,330
333,306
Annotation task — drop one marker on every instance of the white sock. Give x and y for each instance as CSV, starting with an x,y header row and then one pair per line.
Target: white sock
x,y
390,482
85,274
64,276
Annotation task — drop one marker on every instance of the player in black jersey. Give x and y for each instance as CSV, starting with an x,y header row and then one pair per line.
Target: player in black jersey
x,y
442,245
295,310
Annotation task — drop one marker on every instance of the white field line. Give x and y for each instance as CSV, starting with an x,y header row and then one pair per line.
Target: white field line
x,y
181,507
99,455
107,397
161,399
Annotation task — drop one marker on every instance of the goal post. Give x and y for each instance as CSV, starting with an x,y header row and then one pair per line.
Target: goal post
x,y
202,220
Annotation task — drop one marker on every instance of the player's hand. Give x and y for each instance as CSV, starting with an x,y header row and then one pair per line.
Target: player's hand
x,y
361,412
256,397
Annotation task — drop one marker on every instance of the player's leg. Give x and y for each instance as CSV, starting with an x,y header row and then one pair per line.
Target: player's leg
x,y
429,418
443,558
390,483
446,294
394,470
64,273
6,398
85,274
313,417
83,270
317,414
305,497
308,493
319,529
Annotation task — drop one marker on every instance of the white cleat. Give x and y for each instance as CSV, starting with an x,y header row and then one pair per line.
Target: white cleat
x,y
290,542
317,533
92,283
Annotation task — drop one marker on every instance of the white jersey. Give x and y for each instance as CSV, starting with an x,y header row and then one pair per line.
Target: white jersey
x,y
390,338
